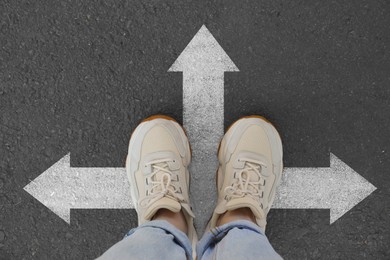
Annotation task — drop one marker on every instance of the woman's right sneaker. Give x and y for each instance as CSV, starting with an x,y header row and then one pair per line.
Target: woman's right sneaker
x,y
250,166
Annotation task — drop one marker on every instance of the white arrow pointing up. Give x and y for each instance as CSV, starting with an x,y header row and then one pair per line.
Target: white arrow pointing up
x,y
61,188
203,63
338,188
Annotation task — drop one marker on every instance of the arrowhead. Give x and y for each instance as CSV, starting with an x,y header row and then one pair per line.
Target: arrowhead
x,y
46,190
204,55
354,188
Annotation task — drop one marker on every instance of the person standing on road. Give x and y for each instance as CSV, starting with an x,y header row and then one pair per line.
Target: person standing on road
x,y
250,167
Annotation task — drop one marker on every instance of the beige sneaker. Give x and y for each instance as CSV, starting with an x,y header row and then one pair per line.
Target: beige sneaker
x,y
250,158
156,165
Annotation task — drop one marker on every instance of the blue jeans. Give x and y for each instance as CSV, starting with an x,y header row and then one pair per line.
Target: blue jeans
x,y
159,239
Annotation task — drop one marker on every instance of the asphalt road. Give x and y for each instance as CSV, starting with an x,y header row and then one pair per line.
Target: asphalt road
x,y
78,76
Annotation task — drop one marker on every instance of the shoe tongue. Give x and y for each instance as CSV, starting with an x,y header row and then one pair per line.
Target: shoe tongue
x,y
163,203
159,175
250,175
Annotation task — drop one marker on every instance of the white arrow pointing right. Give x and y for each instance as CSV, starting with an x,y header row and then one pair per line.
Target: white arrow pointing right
x,y
338,188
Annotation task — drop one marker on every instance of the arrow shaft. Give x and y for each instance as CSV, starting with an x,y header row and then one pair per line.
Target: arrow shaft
x,y
99,188
203,116
307,188
203,107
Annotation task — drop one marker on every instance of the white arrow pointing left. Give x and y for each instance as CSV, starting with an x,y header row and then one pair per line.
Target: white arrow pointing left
x,y
61,188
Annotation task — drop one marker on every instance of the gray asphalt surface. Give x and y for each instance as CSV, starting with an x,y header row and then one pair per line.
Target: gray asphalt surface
x,y
78,76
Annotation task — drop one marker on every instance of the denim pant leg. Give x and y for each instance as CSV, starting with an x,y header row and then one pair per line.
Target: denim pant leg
x,y
236,240
156,239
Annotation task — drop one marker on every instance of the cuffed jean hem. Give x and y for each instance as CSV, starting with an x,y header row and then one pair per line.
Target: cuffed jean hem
x,y
240,239
157,239
180,237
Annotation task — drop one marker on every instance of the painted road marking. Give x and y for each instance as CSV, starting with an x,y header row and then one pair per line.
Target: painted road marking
x,y
203,62
338,188
61,188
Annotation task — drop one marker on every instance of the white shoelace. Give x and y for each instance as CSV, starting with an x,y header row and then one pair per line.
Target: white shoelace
x,y
163,186
243,186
